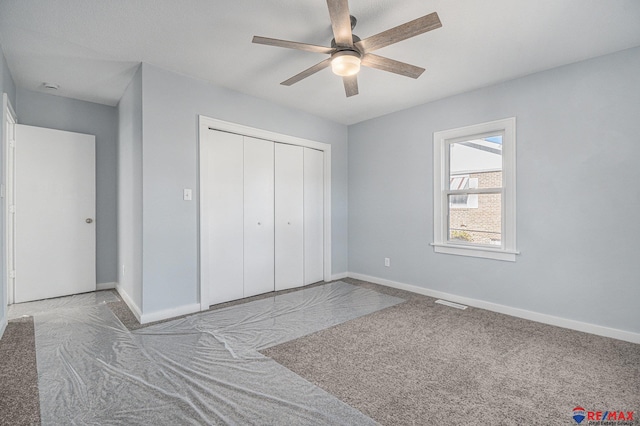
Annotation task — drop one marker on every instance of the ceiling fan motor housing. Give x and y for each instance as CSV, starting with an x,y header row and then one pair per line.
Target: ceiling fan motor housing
x,y
338,48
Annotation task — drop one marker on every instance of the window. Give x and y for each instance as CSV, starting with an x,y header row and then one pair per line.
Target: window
x,y
463,201
474,190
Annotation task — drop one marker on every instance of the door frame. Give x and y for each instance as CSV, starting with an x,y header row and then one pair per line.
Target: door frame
x,y
9,117
206,124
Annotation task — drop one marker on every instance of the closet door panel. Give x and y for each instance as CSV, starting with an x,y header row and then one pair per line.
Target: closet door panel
x,y
222,219
313,216
289,238
258,216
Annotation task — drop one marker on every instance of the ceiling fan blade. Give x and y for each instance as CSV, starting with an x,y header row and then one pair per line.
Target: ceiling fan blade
x,y
385,64
306,73
340,22
399,33
291,44
351,85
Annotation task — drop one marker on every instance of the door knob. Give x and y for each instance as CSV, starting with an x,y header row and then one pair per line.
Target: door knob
x,y
88,220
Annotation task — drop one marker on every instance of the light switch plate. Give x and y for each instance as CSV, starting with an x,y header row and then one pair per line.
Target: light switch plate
x,y
187,194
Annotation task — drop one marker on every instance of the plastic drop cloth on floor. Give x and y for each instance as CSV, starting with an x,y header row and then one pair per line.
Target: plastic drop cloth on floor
x,y
202,369
77,300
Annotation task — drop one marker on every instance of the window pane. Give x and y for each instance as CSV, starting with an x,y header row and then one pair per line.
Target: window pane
x,y
467,201
478,160
479,225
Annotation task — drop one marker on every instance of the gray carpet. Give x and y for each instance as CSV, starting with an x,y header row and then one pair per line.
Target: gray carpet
x,y
19,399
421,363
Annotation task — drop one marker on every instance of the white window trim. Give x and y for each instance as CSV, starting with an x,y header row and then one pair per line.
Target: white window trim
x,y
441,244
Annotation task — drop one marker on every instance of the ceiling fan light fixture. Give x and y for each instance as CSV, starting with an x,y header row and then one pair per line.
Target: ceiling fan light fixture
x,y
345,63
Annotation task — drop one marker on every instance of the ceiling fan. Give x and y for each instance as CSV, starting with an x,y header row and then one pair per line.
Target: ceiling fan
x,y
348,52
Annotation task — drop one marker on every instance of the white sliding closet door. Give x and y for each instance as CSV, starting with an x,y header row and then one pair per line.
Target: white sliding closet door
x,y
258,216
262,215
289,238
313,216
222,225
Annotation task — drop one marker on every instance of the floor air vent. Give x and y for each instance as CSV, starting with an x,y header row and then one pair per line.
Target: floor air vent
x,y
453,305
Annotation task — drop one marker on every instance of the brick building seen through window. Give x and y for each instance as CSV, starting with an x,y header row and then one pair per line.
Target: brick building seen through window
x,y
476,218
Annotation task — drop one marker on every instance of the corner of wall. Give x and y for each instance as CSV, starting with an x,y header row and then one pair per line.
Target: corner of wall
x,y
340,276
106,286
129,189
129,302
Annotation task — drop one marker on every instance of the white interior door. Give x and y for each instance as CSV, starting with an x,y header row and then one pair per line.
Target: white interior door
x,y
289,226
55,235
222,219
313,216
258,216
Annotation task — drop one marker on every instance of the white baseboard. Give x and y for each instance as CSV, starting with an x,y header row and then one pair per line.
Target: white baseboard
x,y
129,301
599,330
3,325
340,276
155,316
170,313
105,286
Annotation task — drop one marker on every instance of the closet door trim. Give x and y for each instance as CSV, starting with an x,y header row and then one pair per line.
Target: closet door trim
x,y
205,125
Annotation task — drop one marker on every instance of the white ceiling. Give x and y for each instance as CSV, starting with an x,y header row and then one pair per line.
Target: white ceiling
x,y
92,47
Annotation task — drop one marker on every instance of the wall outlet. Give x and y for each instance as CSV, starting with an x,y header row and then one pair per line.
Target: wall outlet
x,y
387,262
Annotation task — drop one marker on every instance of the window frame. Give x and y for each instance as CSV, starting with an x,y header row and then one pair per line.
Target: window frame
x,y
441,143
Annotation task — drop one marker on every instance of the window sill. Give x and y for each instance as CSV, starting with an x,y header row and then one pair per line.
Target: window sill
x,y
487,253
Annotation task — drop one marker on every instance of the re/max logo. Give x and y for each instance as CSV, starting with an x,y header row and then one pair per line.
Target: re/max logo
x,y
600,417
610,415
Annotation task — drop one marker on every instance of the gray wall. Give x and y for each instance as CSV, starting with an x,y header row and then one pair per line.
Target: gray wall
x,y
6,80
130,190
577,194
55,112
6,86
171,104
